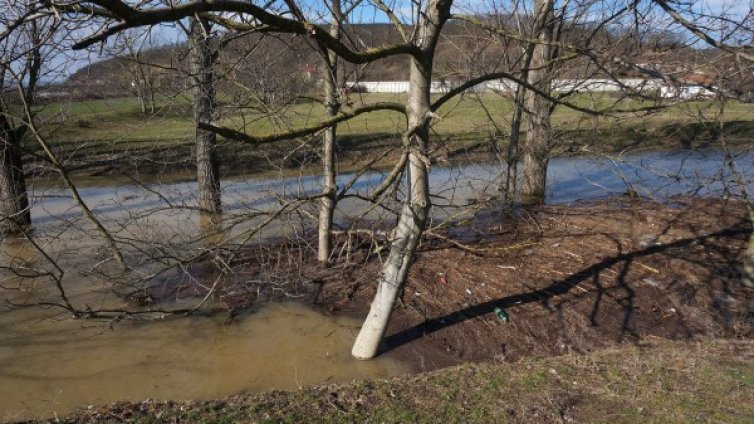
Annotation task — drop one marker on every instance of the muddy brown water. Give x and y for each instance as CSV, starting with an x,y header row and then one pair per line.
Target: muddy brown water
x,y
50,366
50,363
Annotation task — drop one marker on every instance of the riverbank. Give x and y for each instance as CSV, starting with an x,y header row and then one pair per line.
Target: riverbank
x,y
655,381
155,161
609,277
570,278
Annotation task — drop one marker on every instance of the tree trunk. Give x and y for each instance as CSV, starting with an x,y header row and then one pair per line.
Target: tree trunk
x,y
207,170
536,149
150,97
329,191
747,277
511,176
329,139
14,201
15,213
413,218
142,98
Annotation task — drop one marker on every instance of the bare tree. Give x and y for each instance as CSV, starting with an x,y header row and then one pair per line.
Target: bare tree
x,y
536,148
413,218
134,45
329,139
202,59
20,68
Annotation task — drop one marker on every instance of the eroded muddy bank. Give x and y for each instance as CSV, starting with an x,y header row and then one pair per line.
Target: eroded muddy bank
x,y
572,279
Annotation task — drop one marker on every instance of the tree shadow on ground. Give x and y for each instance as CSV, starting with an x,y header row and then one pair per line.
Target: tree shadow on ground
x,y
622,263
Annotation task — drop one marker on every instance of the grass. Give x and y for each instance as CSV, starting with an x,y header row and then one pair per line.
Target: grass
x,y
113,137
473,114
667,382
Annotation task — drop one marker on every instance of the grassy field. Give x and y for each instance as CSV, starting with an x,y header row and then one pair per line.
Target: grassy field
x,y
114,131
480,114
666,382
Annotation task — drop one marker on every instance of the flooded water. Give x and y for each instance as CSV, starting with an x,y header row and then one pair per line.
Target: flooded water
x,y
658,175
48,366
50,363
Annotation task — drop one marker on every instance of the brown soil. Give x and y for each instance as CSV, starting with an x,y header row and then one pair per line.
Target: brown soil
x,y
572,279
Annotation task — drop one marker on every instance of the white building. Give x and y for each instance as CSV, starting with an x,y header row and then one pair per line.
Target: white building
x,y
508,86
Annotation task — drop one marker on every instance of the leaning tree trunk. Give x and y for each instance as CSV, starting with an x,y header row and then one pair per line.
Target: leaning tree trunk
x,y
412,220
207,170
536,149
332,106
14,201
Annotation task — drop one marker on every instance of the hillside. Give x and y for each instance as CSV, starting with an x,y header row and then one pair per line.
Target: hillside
x,y
290,63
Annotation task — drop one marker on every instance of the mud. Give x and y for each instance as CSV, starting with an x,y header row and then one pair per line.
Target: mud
x,y
571,279
51,365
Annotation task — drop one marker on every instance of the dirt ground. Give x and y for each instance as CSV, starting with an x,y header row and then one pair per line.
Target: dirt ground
x,y
571,279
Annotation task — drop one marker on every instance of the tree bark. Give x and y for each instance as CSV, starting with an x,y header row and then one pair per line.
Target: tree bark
x,y
536,149
329,139
413,218
14,201
747,275
15,213
511,176
207,170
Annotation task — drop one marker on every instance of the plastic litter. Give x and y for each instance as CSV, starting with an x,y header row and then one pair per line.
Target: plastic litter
x,y
500,312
